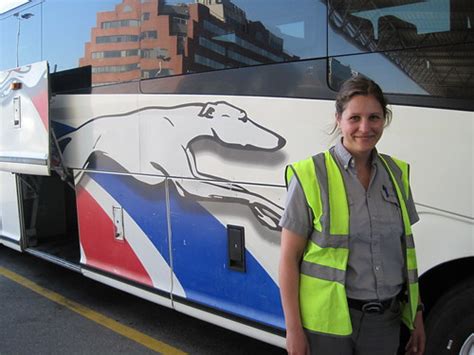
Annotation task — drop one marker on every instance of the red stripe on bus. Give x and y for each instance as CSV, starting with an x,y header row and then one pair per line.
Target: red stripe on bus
x,y
102,250
41,104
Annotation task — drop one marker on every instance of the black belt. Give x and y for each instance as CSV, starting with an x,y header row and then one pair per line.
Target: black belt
x,y
370,306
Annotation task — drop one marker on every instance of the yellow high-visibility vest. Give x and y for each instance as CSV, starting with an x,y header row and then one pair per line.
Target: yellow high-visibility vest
x,y
322,294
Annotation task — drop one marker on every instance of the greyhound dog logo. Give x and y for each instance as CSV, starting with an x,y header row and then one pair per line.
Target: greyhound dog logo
x,y
176,129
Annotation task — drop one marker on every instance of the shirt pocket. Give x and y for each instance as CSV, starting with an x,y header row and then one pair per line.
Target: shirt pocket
x,y
389,197
389,211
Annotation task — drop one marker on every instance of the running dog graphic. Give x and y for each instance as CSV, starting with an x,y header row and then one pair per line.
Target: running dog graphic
x,y
163,138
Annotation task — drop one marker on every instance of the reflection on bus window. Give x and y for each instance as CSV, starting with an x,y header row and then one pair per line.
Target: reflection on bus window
x,y
67,27
413,15
20,35
177,37
375,66
426,42
397,24
126,40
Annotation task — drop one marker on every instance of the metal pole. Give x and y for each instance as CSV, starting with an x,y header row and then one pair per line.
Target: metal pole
x,y
17,15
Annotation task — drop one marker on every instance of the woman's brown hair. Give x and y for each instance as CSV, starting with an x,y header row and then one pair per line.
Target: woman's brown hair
x,y
360,85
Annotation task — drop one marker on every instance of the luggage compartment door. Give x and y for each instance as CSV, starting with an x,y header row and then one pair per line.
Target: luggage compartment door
x,y
24,120
10,225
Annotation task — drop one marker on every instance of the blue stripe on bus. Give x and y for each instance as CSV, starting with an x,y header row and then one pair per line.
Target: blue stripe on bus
x,y
61,129
199,243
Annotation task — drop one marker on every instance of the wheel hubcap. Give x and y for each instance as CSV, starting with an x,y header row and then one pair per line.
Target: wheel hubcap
x,y
468,346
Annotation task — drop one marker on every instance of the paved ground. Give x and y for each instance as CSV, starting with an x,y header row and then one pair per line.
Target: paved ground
x,y
32,323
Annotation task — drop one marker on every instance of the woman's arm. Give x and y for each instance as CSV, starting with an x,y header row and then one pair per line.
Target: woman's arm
x,y
292,248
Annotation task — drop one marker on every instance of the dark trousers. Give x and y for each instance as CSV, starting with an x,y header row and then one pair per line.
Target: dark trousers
x,y
372,334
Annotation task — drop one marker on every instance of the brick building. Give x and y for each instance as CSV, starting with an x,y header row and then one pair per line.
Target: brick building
x,y
149,38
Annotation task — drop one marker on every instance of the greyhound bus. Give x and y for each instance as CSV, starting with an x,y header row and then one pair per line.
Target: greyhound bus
x,y
143,143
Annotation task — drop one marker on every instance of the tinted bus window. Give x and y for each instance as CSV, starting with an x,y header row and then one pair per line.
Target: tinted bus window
x,y
179,37
409,47
20,33
68,28
126,40
382,25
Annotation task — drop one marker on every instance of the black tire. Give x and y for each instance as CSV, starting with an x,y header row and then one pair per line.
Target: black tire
x,y
451,321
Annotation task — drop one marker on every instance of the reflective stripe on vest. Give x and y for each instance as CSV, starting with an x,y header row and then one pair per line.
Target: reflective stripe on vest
x,y
410,302
323,300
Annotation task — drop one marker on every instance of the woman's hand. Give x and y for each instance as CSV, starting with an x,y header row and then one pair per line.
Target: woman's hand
x,y
296,342
416,344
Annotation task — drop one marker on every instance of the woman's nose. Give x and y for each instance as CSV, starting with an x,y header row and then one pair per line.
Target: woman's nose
x,y
364,125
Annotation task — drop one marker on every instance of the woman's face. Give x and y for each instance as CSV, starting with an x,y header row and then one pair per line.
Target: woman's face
x,y
361,123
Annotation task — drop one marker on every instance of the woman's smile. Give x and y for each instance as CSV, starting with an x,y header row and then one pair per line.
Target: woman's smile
x,y
361,123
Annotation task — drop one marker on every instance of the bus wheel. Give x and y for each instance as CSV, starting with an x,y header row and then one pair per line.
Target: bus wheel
x,y
450,324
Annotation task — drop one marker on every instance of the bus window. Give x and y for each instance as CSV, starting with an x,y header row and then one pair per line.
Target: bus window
x,y
67,28
411,48
3,41
436,71
21,37
361,26
126,40
179,37
377,66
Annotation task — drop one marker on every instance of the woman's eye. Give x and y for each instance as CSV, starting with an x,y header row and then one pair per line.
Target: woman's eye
x,y
354,118
375,117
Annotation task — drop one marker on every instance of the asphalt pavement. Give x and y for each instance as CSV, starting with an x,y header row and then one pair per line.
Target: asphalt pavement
x,y
46,309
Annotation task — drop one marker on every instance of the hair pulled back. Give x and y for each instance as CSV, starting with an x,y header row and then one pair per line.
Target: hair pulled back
x,y
360,85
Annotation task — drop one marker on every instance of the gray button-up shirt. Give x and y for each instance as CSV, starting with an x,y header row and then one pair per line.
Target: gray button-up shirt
x,y
376,261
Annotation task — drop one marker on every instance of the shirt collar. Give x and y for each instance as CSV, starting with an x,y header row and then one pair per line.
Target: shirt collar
x,y
346,158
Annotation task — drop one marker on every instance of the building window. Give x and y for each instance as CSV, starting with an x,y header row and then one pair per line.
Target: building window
x,y
120,23
115,68
206,43
148,35
145,16
208,62
155,53
155,73
127,8
115,54
209,26
179,25
241,58
116,39
181,44
180,20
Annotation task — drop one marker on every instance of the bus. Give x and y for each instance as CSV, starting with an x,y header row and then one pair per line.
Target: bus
x,y
143,143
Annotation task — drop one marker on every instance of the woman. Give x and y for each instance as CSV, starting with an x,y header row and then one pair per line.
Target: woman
x,y
348,268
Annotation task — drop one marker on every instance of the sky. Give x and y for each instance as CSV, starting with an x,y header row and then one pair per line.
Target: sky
x,y
57,32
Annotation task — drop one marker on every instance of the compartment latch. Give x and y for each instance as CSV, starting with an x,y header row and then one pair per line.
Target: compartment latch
x,y
16,112
117,213
236,247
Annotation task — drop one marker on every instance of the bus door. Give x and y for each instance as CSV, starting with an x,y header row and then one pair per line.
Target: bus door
x,y
24,140
24,126
9,211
